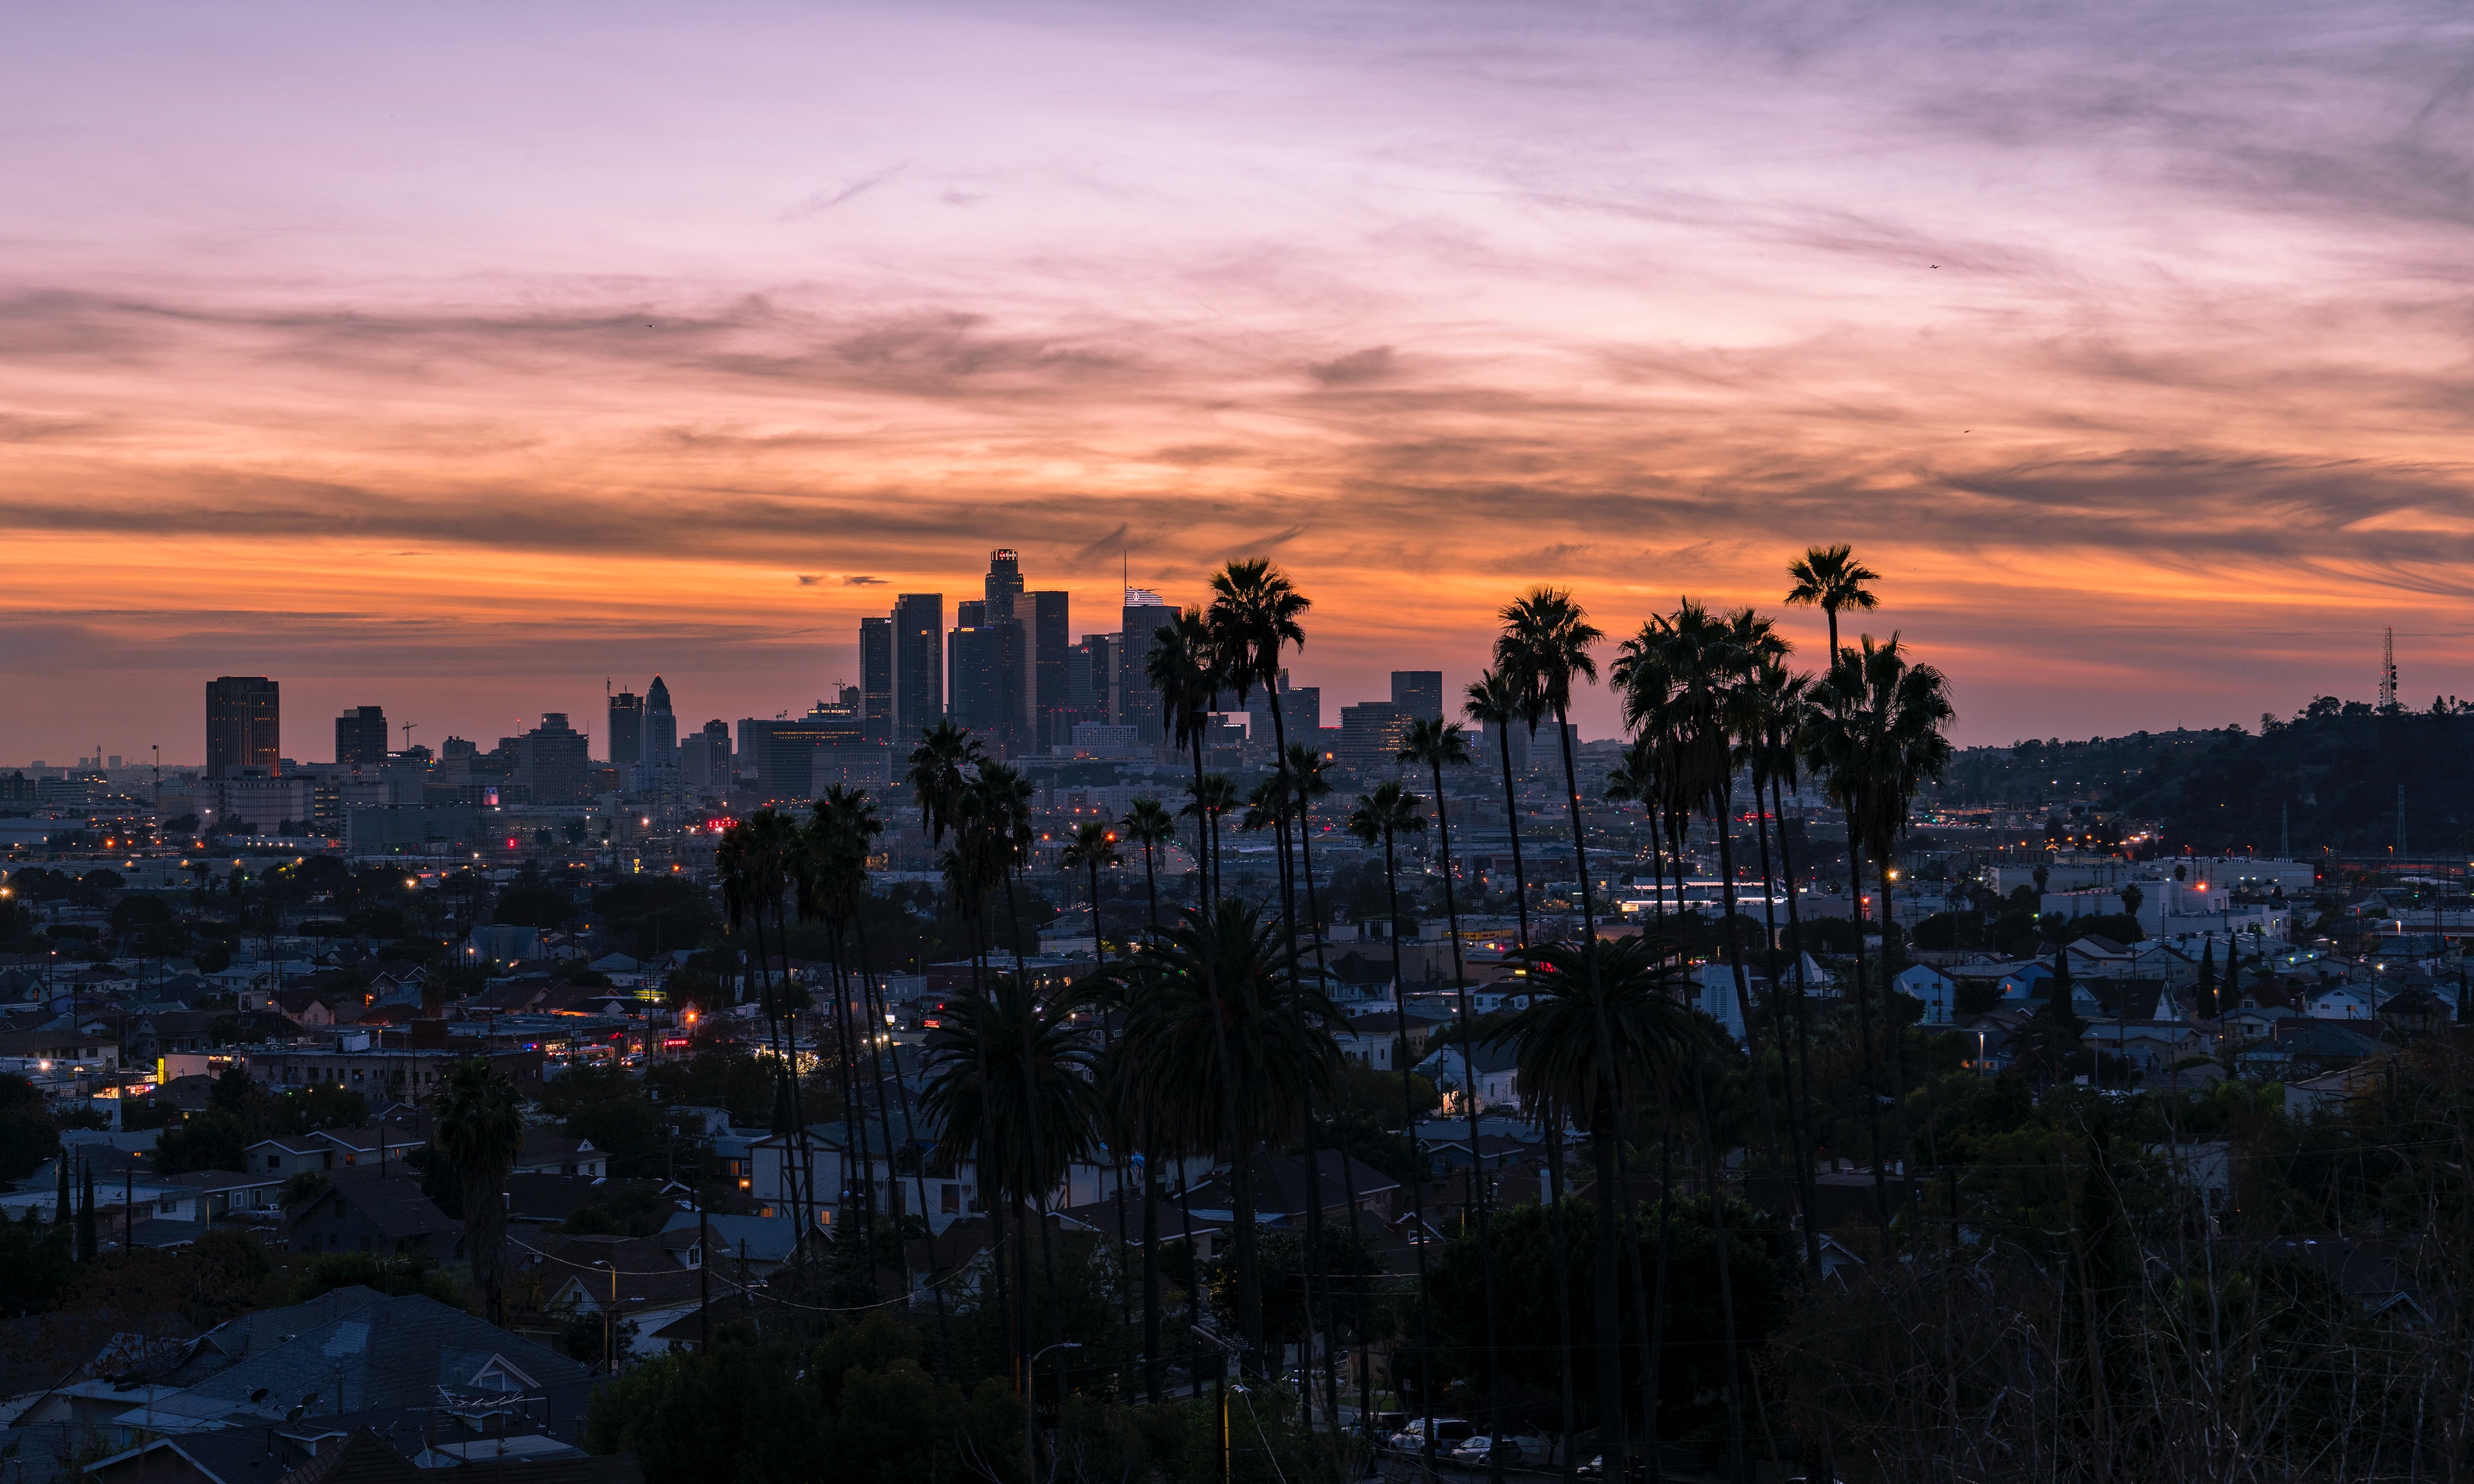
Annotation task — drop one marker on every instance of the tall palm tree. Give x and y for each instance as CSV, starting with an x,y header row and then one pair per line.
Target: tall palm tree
x,y
1185,671
1545,645
1381,818
1224,1047
1830,578
758,860
1891,736
1003,797
1254,612
1437,744
1604,1025
1149,825
1011,1078
1496,699
1774,703
828,884
941,766
1094,845
1214,796
479,1131
1636,780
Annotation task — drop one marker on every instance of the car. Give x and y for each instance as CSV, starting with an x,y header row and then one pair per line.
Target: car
x,y
1481,1449
1449,1432
1473,1451
1594,1469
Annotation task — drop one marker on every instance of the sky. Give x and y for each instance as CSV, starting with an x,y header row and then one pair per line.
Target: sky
x,y
462,358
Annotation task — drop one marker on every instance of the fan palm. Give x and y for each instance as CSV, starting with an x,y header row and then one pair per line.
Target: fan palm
x,y
1224,1049
1830,578
760,860
1438,745
1149,825
1010,1078
1185,671
1212,796
941,766
1603,1029
829,887
1497,700
1094,845
1545,645
479,1131
1381,818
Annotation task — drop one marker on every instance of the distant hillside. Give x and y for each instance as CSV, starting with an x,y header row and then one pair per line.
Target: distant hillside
x,y
2336,769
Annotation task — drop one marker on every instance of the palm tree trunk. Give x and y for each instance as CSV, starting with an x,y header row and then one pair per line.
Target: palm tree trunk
x,y
1611,1439
1652,1364
1512,820
1864,1033
1722,819
1802,1037
1580,843
1562,1285
1726,1282
1150,884
1893,1022
910,1139
1153,1360
1798,1139
1477,1159
1417,1163
1339,1126
853,1112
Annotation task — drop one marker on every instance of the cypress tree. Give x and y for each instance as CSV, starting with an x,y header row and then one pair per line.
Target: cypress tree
x,y
2233,975
86,1246
63,1204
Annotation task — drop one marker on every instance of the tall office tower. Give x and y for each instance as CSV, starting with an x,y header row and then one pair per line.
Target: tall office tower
x,y
918,666
361,735
1419,693
1137,704
661,728
704,757
244,725
986,668
553,760
1003,587
971,613
1051,645
626,732
1090,684
1490,747
1301,715
876,677
1372,733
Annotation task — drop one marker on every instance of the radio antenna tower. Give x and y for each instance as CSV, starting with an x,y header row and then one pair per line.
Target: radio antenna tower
x,y
2388,672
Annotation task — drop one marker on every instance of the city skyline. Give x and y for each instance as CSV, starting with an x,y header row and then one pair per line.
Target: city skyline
x,y
2126,357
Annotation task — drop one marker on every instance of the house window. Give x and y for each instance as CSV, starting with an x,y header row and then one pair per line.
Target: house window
x,y
950,1200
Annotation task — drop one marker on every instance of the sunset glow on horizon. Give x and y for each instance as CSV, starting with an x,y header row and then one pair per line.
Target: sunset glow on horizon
x,y
455,358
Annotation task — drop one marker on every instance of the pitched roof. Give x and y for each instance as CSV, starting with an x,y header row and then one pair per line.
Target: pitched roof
x,y
391,1353
391,1201
359,1459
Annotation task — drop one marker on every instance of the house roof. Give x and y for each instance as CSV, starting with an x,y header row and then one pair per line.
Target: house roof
x,y
391,1201
391,1353
768,1239
647,1275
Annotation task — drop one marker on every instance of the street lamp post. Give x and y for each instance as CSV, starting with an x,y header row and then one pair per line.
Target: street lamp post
x,y
1030,1397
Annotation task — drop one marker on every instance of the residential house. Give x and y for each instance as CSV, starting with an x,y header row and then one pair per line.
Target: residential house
x,y
376,1145
544,1153
635,1281
1490,1070
2345,1003
1935,991
291,1153
742,1246
363,1210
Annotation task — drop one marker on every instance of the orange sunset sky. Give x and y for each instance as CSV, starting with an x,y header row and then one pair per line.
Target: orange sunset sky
x,y
453,358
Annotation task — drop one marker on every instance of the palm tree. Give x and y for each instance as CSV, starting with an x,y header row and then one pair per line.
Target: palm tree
x,y
1545,643
1183,668
1497,700
1011,1079
480,1130
1149,825
1094,845
1224,1049
1213,797
1381,818
1775,704
759,859
1003,797
941,767
1830,578
828,884
1437,744
1255,614
1604,1024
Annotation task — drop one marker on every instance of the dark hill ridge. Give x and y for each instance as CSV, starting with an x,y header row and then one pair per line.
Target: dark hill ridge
x,y
2336,775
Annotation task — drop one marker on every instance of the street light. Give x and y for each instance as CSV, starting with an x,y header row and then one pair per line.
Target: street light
x,y
1031,1394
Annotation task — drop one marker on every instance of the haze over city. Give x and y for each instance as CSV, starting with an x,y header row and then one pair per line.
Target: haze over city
x,y
459,359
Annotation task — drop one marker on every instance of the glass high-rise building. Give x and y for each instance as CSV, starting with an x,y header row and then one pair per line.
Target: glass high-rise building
x,y
244,725
555,760
626,732
361,736
1138,705
918,666
1051,647
1419,693
876,677
661,728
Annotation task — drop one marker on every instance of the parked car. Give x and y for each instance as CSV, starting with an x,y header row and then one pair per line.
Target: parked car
x,y
1513,1450
1449,1432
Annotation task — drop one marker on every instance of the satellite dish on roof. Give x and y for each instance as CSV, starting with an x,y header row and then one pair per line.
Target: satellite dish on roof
x,y
258,1396
292,1415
